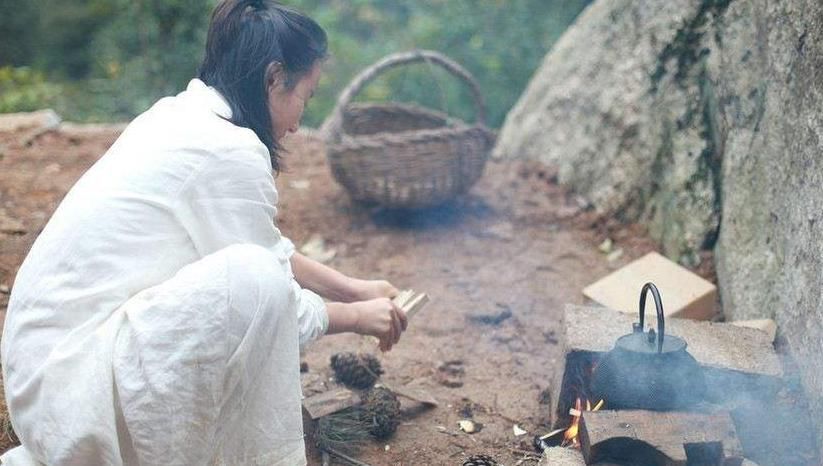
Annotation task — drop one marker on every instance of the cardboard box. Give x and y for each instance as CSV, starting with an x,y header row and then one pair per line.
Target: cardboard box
x,y
684,294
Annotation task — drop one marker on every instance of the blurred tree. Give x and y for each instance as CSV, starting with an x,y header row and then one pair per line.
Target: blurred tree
x,y
115,57
17,30
150,49
501,42
64,31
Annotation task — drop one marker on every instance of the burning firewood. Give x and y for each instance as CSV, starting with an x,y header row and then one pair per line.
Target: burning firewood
x,y
570,437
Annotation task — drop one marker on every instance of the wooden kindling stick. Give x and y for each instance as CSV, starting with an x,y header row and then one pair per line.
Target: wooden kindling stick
x,y
411,302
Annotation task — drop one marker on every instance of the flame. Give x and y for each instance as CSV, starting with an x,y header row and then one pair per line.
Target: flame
x,y
570,438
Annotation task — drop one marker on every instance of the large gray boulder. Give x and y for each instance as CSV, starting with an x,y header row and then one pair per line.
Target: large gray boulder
x,y
625,107
704,120
770,247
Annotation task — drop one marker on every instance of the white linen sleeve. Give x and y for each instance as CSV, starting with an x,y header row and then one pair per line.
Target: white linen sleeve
x,y
232,200
312,318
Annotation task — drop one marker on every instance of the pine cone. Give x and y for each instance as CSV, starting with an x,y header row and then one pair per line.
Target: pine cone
x,y
356,370
480,460
381,411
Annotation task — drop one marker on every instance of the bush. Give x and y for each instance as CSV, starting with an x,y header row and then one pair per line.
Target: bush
x,y
23,89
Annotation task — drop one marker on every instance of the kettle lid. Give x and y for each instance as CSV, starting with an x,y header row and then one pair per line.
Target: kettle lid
x,y
642,342
652,342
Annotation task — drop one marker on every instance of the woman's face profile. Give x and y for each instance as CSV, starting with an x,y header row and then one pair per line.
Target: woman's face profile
x,y
286,105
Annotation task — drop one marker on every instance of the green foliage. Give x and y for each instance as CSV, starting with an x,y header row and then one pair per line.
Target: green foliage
x,y
500,42
114,58
150,49
61,36
23,89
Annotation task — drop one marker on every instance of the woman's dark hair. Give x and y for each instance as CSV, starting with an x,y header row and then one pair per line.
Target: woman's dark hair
x,y
245,37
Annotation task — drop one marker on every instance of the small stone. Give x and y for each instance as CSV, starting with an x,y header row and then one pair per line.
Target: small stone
x,y
41,120
470,427
606,246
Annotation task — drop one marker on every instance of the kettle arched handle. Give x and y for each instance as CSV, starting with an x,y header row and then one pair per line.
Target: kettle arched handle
x,y
658,303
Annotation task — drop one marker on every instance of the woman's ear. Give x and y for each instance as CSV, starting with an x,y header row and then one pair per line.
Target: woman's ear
x,y
275,75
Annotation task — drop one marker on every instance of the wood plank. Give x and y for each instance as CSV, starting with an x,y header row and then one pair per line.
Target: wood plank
x,y
402,298
415,394
332,401
411,302
659,438
415,305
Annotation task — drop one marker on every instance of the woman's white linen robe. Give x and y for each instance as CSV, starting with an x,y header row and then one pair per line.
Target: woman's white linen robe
x,y
156,319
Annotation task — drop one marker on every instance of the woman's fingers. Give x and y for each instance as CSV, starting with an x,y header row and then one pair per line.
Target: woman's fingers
x,y
394,323
392,291
404,320
371,289
395,326
390,336
383,319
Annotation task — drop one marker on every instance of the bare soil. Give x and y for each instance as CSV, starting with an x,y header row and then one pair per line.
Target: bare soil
x,y
499,265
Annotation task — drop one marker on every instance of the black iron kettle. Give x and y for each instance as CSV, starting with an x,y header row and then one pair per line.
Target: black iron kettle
x,y
648,370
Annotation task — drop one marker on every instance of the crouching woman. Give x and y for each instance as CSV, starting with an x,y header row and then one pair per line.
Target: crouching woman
x,y
158,317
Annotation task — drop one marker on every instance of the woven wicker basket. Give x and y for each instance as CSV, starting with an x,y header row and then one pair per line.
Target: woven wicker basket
x,y
405,156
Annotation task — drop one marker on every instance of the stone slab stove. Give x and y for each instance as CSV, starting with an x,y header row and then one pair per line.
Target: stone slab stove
x,y
744,377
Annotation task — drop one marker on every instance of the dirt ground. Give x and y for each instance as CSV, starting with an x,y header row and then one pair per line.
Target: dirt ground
x,y
499,265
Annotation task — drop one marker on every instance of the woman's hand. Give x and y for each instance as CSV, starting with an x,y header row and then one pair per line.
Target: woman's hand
x,y
380,318
364,290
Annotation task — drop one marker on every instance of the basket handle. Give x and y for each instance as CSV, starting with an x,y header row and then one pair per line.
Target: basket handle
x,y
332,128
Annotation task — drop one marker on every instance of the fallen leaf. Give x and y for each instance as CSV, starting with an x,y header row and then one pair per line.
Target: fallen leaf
x,y
315,248
300,184
614,255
